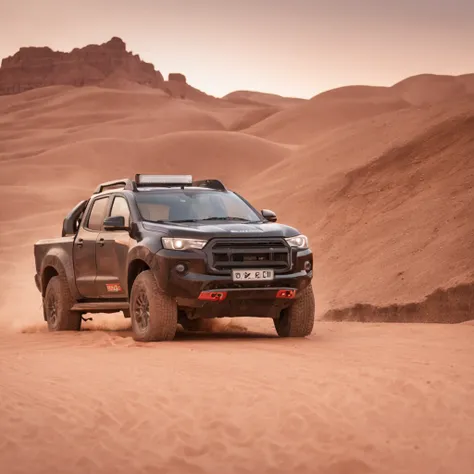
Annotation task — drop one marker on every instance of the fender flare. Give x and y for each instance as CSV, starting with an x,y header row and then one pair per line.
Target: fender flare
x,y
60,261
141,253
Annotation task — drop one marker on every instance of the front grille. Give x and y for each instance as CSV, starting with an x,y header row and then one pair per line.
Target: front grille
x,y
227,254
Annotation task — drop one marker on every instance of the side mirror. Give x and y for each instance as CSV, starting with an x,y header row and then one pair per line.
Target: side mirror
x,y
269,215
115,223
72,220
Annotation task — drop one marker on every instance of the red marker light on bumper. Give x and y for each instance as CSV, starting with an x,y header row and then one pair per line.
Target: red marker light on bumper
x,y
213,295
286,294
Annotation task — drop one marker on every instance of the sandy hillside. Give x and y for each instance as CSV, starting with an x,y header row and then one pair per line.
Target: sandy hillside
x,y
380,179
347,105
325,112
373,236
389,216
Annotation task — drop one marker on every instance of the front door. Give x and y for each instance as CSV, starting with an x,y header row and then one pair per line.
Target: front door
x,y
85,246
112,253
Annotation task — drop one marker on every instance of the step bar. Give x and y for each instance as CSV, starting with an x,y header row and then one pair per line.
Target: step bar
x,y
101,307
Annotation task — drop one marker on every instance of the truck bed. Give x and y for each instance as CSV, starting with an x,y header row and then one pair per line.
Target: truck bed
x,y
61,248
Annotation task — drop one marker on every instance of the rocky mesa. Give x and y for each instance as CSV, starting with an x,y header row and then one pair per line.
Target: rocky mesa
x,y
34,67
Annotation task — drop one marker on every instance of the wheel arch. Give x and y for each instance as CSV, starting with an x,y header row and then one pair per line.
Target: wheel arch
x,y
135,267
48,273
54,265
140,259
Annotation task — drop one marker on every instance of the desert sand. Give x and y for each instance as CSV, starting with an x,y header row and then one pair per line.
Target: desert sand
x,y
382,182
351,399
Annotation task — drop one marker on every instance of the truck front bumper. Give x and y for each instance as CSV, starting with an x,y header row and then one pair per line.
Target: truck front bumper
x,y
193,287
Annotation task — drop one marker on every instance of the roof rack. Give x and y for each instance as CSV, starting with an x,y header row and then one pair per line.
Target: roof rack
x,y
124,183
159,181
210,183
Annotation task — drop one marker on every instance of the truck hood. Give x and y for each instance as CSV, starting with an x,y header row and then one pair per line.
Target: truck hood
x,y
207,230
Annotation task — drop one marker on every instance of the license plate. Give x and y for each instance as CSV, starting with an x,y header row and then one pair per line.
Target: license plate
x,y
252,275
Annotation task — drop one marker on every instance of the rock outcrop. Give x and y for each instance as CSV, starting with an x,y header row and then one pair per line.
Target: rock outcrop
x,y
176,85
176,76
34,67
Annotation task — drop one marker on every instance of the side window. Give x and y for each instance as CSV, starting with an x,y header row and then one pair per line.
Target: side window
x,y
120,208
97,215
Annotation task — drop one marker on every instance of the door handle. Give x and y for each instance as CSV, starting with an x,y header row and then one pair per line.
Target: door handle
x,y
101,242
80,242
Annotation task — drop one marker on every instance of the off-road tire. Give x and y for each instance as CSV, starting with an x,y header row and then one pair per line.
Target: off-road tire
x,y
154,314
57,304
298,319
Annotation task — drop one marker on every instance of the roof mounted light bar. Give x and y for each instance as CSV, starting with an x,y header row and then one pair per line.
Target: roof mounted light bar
x,y
152,180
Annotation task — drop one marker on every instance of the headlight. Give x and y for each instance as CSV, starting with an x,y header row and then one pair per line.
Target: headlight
x,y
182,244
299,241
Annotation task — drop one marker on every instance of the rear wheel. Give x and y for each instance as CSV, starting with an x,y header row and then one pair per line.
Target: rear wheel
x,y
154,314
57,304
298,319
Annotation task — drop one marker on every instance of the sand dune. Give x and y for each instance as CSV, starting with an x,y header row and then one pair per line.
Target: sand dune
x,y
96,112
25,198
468,81
430,88
344,105
305,122
258,106
386,211
447,305
342,149
261,98
380,179
399,227
253,116
173,152
351,93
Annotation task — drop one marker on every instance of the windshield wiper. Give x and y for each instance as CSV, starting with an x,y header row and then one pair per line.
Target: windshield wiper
x,y
230,218
179,221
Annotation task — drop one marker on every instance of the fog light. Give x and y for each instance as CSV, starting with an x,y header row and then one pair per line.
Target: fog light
x,y
286,294
181,268
307,265
212,295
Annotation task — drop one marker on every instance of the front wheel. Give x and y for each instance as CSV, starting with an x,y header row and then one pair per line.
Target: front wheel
x,y
154,314
298,319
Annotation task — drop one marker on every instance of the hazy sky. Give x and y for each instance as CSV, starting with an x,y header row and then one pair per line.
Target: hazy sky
x,y
289,47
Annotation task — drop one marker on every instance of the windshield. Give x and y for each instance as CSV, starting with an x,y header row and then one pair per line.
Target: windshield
x,y
185,205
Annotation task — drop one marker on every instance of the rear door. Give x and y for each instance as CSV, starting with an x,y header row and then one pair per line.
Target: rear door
x,y
85,247
112,254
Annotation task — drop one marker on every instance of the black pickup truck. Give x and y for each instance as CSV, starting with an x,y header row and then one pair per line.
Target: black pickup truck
x,y
167,250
